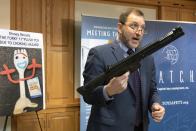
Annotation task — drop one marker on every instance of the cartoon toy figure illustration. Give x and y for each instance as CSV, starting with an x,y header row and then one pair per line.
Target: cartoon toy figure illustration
x,y
21,62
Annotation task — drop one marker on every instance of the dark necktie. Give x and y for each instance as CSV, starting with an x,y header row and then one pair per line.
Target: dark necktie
x,y
135,78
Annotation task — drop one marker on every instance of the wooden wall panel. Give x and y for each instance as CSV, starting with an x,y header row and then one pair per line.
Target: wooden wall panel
x,y
59,39
28,122
60,78
28,15
187,15
168,13
139,2
61,121
177,14
60,23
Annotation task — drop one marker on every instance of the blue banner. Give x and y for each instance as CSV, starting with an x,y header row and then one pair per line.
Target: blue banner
x,y
176,82
96,28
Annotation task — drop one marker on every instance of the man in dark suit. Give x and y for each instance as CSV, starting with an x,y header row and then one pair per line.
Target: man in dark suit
x,y
122,104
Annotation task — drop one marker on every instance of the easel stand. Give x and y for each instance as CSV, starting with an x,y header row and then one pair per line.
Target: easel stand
x,y
38,121
6,119
5,124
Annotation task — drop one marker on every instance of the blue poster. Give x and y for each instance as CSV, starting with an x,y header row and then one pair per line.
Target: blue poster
x,y
175,69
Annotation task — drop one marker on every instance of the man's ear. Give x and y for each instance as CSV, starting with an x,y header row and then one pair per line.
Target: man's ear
x,y
120,26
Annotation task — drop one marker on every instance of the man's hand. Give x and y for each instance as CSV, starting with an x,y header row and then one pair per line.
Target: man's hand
x,y
158,112
117,84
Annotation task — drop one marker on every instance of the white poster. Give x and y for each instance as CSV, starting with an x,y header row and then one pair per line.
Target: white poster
x,y
22,81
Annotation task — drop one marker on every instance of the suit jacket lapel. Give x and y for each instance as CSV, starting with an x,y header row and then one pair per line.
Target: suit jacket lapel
x,y
117,51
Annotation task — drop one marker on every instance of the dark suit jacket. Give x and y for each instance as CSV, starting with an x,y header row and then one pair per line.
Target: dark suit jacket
x,y
118,114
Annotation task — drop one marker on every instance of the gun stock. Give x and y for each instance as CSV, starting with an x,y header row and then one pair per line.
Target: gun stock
x,y
131,62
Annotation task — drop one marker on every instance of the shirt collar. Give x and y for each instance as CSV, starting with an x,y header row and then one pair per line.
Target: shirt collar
x,y
123,47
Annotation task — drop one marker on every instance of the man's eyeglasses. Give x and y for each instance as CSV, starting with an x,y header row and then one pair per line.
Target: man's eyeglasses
x,y
136,27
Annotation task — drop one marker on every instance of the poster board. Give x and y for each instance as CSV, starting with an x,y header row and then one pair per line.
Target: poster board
x,y
22,79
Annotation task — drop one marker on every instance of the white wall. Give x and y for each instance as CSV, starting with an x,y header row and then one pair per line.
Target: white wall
x,y
5,24
100,10
5,14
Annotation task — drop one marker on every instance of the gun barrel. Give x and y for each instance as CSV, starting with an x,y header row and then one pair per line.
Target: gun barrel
x,y
171,36
125,64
